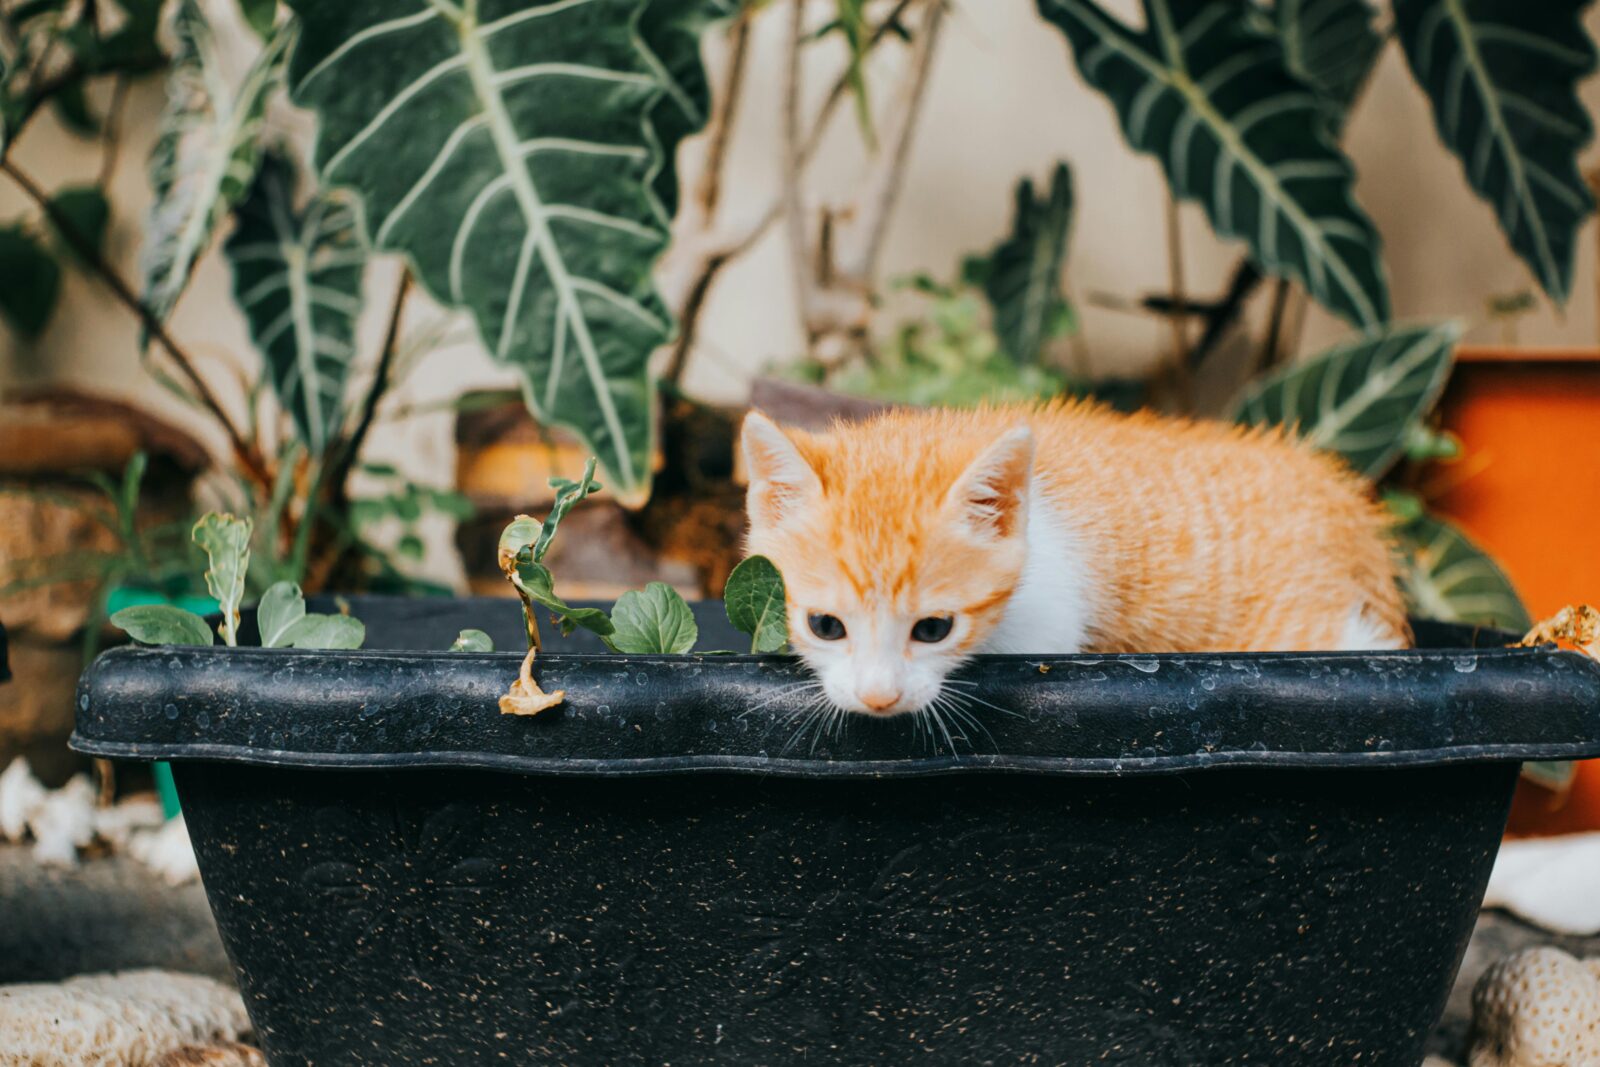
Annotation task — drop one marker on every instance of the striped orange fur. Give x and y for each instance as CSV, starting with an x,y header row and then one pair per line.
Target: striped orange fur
x,y
1068,526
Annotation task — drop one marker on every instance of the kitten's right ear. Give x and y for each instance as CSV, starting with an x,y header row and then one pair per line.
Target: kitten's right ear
x,y
781,481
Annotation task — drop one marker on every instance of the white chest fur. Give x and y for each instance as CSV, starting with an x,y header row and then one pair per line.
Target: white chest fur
x,y
1052,608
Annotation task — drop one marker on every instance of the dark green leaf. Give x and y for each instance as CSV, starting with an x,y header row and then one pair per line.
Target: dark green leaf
x,y
754,599
1503,78
162,624
534,579
669,39
1445,576
326,632
655,621
86,210
297,277
71,105
1360,399
1330,45
568,494
30,282
260,15
472,641
1023,280
511,160
280,609
1204,89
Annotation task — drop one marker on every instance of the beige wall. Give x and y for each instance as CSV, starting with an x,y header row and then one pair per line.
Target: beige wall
x,y
1006,101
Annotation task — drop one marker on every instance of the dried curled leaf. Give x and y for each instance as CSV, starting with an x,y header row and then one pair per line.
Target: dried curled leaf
x,y
1576,624
525,697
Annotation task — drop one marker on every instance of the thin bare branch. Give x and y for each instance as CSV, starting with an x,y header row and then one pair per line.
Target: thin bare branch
x,y
886,178
724,113
1176,286
793,210
90,256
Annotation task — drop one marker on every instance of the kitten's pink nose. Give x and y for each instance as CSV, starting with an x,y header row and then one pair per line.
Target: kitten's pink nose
x,y
880,701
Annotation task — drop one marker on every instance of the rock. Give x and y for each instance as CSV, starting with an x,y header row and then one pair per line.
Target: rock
x,y
1537,1008
132,1019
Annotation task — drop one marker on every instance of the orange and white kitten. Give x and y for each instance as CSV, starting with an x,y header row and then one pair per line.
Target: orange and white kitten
x,y
910,541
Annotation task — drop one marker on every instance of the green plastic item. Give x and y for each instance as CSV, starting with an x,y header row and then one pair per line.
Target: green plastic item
x,y
166,789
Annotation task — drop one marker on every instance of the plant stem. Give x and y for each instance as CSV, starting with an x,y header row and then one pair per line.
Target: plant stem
x,y
887,177
91,257
724,112
793,213
380,383
1271,347
1175,279
111,135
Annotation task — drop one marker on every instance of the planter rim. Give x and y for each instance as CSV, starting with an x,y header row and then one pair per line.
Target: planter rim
x,y
639,715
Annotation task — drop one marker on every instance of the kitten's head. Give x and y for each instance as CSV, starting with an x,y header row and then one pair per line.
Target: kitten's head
x,y
899,547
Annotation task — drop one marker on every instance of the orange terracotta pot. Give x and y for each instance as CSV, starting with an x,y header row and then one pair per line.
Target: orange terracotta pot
x,y
1527,489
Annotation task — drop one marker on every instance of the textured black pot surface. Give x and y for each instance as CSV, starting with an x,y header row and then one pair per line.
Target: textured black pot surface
x,y
1167,859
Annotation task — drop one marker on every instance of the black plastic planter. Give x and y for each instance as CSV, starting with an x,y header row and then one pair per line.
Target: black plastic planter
x,y
1140,860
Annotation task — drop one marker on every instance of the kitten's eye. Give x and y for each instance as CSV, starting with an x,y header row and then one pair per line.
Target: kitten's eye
x,y
827,627
933,629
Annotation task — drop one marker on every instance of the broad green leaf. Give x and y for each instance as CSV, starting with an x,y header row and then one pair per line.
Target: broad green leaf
x,y
504,148
1023,278
1503,76
326,632
1555,775
1361,399
279,610
71,106
669,39
520,533
754,599
86,210
297,277
259,15
657,620
162,624
205,158
226,543
1330,45
30,282
472,641
1205,90
1447,577
534,579
568,494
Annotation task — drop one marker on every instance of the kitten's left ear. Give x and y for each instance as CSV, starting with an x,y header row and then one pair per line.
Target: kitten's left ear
x,y
992,492
781,481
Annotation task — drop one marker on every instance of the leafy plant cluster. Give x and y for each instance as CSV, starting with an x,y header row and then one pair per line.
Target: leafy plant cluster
x,y
654,620
299,260
281,616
